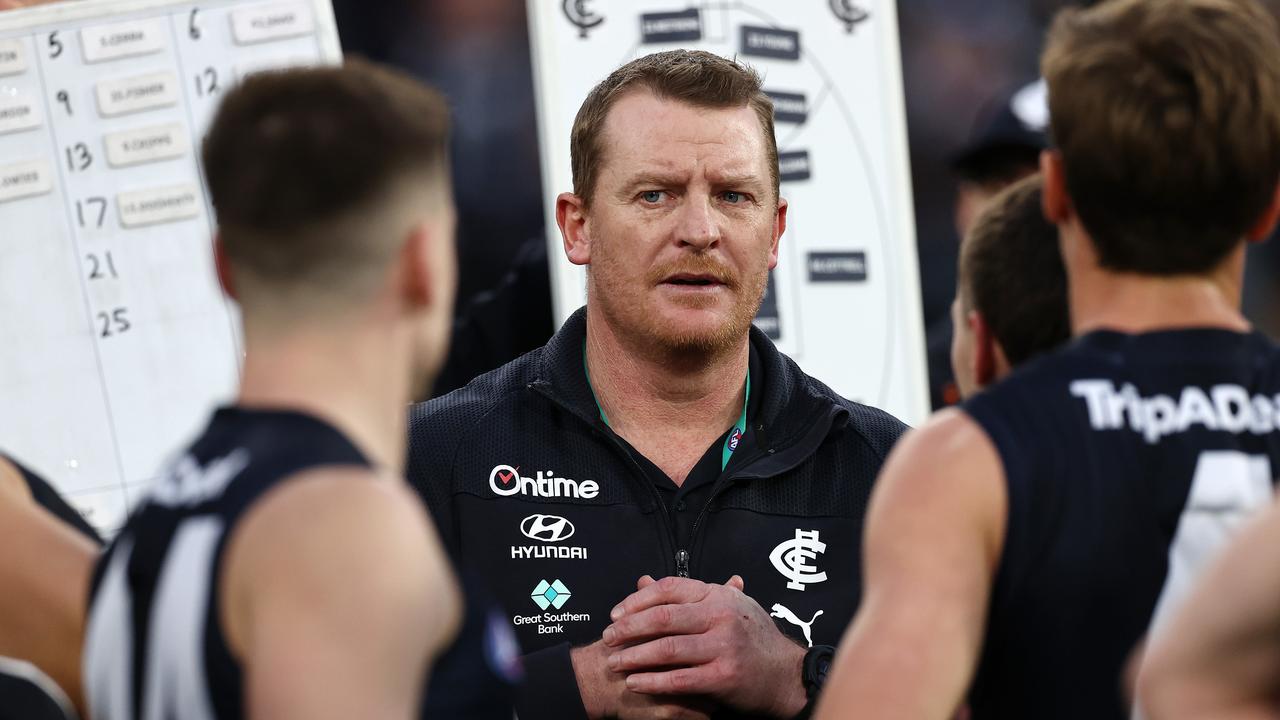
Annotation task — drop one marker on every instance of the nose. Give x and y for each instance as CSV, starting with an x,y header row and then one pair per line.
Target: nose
x,y
698,226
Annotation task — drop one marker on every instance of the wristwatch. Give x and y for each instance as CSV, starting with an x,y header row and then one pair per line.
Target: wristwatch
x,y
813,675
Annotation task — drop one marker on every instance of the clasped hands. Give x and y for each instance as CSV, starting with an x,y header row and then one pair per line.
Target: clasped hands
x,y
683,648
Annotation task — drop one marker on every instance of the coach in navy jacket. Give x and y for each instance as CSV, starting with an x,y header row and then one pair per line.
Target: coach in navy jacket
x,y
669,510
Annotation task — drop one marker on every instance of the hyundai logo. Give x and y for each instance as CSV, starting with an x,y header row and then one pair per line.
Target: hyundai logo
x,y
546,528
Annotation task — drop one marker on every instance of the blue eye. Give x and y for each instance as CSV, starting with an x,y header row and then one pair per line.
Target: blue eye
x,y
651,196
733,197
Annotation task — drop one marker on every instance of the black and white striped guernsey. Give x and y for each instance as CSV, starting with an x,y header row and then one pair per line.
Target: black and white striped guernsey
x,y
154,648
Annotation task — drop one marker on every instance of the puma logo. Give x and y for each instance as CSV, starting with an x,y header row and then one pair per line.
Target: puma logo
x,y
780,611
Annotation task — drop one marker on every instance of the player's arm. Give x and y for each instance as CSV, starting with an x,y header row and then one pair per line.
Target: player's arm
x,y
934,535
337,597
44,585
1220,656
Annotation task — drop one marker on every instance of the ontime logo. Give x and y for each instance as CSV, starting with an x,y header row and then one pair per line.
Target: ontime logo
x,y
506,480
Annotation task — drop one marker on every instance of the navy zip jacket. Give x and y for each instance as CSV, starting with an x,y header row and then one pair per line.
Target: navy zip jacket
x,y
529,487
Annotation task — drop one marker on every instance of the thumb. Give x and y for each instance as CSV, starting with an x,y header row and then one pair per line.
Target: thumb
x,y
737,583
643,582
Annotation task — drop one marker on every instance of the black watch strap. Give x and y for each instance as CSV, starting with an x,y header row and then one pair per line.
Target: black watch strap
x,y
813,675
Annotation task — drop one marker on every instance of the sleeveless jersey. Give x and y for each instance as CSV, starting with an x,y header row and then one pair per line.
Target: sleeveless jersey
x,y
154,646
1129,461
49,499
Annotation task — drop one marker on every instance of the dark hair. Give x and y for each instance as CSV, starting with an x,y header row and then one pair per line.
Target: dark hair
x,y
302,162
696,77
1167,114
1011,272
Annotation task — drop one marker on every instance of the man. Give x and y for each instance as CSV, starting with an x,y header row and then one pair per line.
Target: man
x,y
46,556
1011,291
1219,658
1004,147
280,568
658,435
1017,548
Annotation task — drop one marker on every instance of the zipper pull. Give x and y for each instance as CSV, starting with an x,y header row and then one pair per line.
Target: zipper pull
x,y
682,563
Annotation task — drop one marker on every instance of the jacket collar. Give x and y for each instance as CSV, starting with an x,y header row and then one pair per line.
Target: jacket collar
x,y
791,402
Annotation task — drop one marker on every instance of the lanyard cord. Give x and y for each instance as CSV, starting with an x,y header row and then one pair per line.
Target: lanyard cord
x,y
730,442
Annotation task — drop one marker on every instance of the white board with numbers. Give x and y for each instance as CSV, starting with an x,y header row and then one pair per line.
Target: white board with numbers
x,y
117,343
844,301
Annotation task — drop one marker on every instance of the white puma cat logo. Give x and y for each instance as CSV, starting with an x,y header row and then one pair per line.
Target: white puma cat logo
x,y
780,611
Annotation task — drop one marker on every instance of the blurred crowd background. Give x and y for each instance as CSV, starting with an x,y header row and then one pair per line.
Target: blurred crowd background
x,y
959,57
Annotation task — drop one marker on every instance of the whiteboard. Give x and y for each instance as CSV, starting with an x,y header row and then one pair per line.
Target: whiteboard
x,y
844,301
118,342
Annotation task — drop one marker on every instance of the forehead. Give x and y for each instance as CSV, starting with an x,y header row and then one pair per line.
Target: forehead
x,y
644,133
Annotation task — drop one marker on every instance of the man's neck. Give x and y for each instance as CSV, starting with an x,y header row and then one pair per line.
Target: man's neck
x,y
669,405
1133,303
351,380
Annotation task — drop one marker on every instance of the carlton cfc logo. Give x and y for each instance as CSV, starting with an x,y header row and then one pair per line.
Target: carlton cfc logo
x,y
791,559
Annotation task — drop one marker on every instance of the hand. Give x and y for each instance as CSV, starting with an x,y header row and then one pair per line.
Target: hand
x,y
605,694
678,636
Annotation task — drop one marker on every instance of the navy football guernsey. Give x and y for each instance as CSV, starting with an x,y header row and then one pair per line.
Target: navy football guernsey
x,y
154,648
1129,459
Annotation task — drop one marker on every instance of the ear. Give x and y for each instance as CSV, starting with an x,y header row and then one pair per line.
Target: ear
x,y
571,216
1054,199
985,349
1261,230
779,227
223,268
417,284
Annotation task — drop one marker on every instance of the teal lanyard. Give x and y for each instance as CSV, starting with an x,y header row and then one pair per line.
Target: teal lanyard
x,y
730,443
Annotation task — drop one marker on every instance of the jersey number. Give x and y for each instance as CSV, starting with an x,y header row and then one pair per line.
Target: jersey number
x,y
1227,489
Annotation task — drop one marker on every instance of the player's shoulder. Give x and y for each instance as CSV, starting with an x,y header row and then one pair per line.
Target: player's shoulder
x,y
332,505
336,529
13,485
948,455
949,437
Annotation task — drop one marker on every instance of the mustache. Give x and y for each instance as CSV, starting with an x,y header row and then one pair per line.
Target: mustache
x,y
695,265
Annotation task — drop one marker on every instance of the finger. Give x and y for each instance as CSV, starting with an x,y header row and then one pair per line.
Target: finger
x,y
738,583
664,652
667,591
645,582
699,680
656,622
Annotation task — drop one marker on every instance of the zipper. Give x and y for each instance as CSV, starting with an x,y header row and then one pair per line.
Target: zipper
x,y
683,556
682,563
637,472
719,488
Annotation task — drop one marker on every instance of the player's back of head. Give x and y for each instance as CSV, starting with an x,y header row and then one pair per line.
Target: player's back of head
x,y
1011,273
317,175
1167,116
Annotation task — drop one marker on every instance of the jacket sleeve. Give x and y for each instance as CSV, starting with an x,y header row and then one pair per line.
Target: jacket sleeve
x,y
550,690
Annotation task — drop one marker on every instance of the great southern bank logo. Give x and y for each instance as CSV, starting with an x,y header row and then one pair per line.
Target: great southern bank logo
x,y
506,480
550,594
